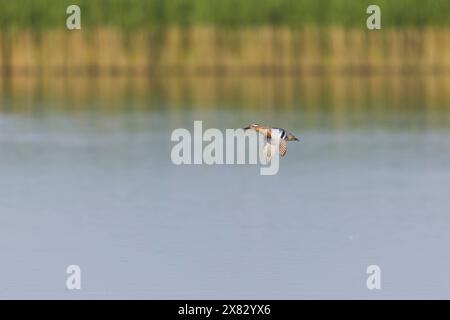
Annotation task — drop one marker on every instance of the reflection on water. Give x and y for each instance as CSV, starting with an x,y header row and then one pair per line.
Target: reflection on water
x,y
338,95
86,179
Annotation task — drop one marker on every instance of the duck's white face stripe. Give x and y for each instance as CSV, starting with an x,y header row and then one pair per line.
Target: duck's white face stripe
x,y
281,133
278,133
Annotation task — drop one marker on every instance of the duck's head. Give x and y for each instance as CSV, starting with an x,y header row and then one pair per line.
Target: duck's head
x,y
291,137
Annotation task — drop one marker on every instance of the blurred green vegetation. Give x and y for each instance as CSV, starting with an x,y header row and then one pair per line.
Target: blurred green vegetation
x,y
135,14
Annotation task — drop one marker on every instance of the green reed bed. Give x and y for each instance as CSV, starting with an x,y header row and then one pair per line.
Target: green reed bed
x,y
131,14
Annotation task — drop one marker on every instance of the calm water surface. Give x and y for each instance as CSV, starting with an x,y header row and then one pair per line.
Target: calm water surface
x,y
101,192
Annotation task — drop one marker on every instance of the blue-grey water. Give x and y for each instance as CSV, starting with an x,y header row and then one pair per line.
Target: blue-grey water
x,y
101,192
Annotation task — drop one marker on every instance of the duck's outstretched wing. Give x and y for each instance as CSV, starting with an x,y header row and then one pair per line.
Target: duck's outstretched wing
x,y
283,147
268,151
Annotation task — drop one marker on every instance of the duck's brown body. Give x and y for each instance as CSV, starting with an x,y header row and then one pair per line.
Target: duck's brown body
x,y
277,136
